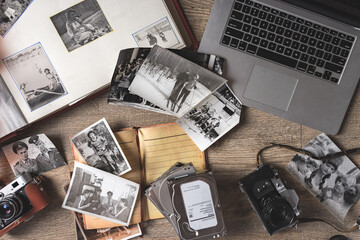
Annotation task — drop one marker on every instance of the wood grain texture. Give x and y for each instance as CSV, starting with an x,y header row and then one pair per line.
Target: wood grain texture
x,y
231,158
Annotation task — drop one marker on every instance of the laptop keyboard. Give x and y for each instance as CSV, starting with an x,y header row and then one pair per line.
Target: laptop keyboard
x,y
298,43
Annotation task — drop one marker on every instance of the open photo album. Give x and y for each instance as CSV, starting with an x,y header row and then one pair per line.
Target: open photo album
x,y
56,53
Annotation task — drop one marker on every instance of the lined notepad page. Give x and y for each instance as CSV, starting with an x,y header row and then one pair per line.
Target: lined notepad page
x,y
161,146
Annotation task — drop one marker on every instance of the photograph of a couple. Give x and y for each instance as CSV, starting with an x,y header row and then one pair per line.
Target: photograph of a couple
x,y
335,182
35,155
172,82
81,24
35,76
101,194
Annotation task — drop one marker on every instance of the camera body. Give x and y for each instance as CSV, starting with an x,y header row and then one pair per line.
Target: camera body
x,y
20,200
275,205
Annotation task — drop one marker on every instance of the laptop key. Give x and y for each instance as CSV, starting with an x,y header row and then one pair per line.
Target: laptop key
x,y
341,35
255,40
338,60
295,45
272,46
334,68
288,52
280,49
238,6
318,74
296,54
311,32
237,15
311,50
242,45
312,60
255,22
262,15
302,66
247,19
251,49
262,52
320,63
311,69
336,50
327,38
254,12
344,53
319,35
246,28
320,45
234,43
345,44
282,14
304,57
319,53
263,25
264,43
235,24
287,24
257,5
350,38
333,32
226,40
328,47
334,80
327,75
247,38
262,33
246,9
335,41
327,56
270,17
279,20
287,42
288,33
234,33
266,9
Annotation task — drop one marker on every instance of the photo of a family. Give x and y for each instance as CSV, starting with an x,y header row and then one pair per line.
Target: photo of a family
x,y
10,11
173,83
100,149
35,76
159,33
35,155
101,194
213,117
335,182
81,24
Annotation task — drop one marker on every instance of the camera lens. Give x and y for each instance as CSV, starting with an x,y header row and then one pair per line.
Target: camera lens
x,y
278,212
9,208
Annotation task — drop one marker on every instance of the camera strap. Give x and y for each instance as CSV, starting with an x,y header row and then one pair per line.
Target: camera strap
x,y
259,162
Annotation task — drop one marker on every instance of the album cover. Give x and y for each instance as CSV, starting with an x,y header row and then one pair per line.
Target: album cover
x,y
100,149
35,154
335,182
98,193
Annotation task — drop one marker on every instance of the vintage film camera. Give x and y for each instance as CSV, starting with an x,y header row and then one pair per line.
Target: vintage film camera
x,y
275,205
20,200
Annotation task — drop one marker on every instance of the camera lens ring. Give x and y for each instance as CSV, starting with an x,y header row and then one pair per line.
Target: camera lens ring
x,y
278,212
10,207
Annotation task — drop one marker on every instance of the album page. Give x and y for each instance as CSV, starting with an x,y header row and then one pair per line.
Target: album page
x,y
58,52
161,146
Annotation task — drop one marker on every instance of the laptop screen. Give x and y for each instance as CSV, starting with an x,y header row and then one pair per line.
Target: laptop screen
x,y
347,11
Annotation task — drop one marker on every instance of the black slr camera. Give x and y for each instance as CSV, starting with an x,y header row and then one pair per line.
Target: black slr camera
x,y
275,205
20,200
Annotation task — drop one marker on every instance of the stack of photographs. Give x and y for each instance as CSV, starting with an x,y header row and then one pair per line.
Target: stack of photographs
x,y
185,84
189,201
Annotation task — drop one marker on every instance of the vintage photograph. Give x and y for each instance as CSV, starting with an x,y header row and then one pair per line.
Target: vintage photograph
x,y
101,194
11,117
10,11
335,182
212,118
173,83
81,24
35,154
159,33
100,149
35,76
115,233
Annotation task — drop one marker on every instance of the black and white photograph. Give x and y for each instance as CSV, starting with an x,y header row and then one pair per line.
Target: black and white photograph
x,y
10,11
100,149
101,194
212,118
334,182
35,155
159,33
173,83
11,117
127,66
81,24
35,76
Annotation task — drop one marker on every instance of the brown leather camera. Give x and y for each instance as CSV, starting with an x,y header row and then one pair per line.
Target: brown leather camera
x,y
20,200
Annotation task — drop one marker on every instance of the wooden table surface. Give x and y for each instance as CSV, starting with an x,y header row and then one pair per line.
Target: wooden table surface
x,y
231,158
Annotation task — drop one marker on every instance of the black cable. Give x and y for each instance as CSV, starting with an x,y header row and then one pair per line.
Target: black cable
x,y
309,220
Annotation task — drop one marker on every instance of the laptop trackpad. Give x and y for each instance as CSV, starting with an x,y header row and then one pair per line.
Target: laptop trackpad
x,y
270,88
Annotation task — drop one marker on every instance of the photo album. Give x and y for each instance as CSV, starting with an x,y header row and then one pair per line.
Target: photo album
x,y
56,53
335,182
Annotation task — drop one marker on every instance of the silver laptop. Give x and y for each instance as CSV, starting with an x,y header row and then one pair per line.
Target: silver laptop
x,y
296,59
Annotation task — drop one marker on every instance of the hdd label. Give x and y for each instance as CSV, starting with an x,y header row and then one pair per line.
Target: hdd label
x,y
199,205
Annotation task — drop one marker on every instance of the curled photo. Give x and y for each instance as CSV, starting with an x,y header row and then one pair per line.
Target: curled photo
x,y
100,149
35,76
35,154
101,194
335,182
